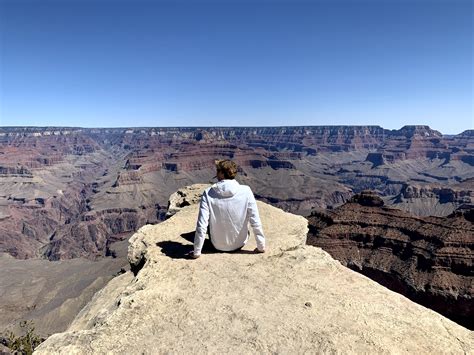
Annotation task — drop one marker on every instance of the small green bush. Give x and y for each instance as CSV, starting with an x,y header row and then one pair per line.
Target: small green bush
x,y
26,343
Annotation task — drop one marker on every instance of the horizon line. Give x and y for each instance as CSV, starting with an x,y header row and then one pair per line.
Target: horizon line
x,y
191,126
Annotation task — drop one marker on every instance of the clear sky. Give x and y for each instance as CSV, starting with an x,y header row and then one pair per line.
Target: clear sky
x,y
135,63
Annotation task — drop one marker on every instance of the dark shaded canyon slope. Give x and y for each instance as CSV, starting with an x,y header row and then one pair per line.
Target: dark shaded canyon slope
x,y
428,259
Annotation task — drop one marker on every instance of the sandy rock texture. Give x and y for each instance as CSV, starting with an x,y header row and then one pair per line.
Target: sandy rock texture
x,y
293,299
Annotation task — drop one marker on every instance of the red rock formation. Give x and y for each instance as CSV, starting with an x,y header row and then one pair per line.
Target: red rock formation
x,y
50,177
91,236
429,259
413,142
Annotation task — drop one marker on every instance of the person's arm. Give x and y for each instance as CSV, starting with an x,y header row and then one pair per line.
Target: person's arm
x,y
201,226
255,223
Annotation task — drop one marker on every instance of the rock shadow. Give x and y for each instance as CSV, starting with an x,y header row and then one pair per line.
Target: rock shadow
x,y
177,250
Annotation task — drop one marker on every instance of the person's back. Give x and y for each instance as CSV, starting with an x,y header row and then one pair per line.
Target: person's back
x,y
227,208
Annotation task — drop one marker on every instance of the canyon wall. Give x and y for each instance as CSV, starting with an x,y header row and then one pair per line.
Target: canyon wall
x,y
427,259
70,192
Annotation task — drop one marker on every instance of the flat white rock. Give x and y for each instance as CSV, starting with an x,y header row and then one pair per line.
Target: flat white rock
x,y
293,299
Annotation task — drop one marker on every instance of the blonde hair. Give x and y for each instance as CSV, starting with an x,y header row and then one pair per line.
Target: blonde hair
x,y
227,167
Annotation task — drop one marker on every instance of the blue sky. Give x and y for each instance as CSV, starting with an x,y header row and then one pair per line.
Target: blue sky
x,y
237,63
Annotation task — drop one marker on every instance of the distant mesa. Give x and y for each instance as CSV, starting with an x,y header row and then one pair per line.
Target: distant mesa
x,y
411,131
467,133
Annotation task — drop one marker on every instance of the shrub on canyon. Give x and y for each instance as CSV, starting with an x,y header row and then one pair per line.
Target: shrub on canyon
x,y
26,343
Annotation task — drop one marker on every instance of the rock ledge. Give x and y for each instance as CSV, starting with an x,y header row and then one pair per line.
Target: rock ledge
x,y
292,299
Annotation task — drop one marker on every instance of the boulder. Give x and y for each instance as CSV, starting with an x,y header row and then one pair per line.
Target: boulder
x,y
184,197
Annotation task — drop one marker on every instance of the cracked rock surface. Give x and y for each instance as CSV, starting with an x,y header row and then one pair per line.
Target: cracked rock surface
x,y
292,299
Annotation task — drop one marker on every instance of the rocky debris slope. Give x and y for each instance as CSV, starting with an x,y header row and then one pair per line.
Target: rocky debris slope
x,y
428,259
49,293
293,299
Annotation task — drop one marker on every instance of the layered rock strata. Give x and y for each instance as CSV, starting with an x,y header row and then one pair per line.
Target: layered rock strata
x,y
70,192
434,199
294,298
429,259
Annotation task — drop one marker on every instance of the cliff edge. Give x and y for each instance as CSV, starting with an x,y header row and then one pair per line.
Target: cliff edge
x,y
292,299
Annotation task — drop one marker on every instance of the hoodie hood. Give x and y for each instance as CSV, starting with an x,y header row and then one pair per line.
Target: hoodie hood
x,y
226,188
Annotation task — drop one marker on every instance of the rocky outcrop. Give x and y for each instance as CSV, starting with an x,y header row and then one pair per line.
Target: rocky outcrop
x,y
293,299
434,199
376,158
367,198
90,235
189,195
429,259
17,171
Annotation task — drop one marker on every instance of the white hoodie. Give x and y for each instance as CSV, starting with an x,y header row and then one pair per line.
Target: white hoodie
x,y
227,207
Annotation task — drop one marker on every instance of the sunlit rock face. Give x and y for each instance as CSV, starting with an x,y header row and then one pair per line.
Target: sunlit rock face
x,y
294,298
428,259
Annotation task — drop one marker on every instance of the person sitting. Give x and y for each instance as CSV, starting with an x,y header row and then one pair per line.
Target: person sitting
x,y
226,208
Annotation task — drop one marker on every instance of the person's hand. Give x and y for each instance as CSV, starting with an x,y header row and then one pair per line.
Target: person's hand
x,y
191,255
259,251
